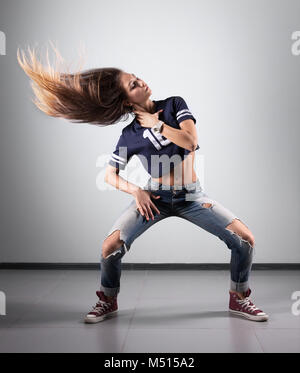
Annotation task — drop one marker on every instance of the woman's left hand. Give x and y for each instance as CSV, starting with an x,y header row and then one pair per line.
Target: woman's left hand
x,y
146,119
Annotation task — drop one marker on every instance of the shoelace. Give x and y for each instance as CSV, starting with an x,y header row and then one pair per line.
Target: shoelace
x,y
246,302
101,306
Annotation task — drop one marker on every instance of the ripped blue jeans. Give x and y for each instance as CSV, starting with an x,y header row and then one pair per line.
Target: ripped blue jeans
x,y
189,202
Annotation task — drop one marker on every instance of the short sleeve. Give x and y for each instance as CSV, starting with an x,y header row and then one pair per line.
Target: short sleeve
x,y
122,154
182,112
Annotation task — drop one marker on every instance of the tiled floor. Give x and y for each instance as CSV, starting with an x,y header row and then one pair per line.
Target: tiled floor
x,y
159,311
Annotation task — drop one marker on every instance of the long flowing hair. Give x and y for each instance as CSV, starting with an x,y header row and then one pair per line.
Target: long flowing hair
x,y
93,96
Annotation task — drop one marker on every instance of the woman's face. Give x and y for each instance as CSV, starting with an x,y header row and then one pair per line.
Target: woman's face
x,y
137,90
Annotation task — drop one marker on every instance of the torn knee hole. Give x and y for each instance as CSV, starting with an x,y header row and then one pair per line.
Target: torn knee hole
x,y
107,253
116,230
107,250
249,241
207,205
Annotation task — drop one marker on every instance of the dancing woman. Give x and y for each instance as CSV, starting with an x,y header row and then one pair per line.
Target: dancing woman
x,y
163,135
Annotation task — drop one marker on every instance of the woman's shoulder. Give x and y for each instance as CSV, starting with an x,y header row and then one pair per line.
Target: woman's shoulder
x,y
170,98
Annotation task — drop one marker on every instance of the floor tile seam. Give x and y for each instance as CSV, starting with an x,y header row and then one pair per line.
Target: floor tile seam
x,y
134,310
37,301
159,328
255,329
19,318
266,328
18,327
259,342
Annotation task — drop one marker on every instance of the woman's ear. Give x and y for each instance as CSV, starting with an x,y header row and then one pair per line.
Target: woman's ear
x,y
128,105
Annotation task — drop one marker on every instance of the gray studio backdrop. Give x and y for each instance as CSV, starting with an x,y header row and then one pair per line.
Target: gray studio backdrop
x,y
237,66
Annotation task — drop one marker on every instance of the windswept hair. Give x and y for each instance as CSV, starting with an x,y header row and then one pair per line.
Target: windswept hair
x,y
93,96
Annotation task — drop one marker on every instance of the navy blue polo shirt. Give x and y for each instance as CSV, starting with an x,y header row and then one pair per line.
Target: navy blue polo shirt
x,y
157,153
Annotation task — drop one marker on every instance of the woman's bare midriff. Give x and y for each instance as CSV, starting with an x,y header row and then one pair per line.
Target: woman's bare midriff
x,y
181,174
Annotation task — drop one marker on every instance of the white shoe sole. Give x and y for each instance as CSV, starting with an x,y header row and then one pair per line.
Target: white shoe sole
x,y
250,317
93,320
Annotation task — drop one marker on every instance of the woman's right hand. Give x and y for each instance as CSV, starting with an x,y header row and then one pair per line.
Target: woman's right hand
x,y
144,203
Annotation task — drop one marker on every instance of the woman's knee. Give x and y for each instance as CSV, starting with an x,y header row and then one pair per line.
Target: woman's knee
x,y
111,243
239,228
250,238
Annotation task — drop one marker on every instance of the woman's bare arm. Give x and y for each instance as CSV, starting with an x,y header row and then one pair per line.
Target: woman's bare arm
x,y
142,197
112,178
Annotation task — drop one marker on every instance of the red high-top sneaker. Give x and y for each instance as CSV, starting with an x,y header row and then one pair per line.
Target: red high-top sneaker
x,y
104,308
245,308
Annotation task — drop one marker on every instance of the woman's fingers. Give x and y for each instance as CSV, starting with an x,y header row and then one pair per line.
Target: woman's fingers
x,y
146,211
141,210
146,208
149,212
155,208
154,196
